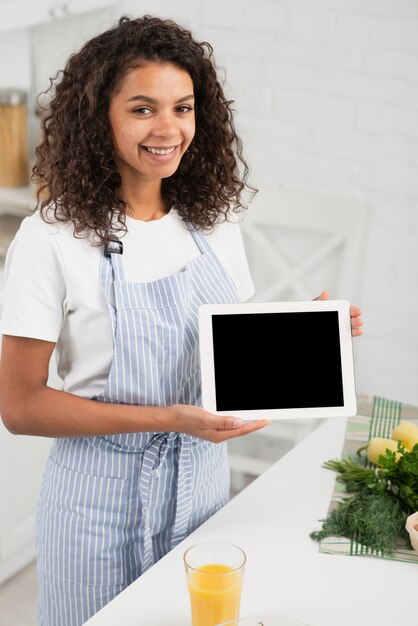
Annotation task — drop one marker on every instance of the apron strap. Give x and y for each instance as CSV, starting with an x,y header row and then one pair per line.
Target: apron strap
x,y
111,269
153,458
113,253
184,491
199,239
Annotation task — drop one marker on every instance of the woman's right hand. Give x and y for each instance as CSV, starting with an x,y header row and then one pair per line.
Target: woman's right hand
x,y
195,421
29,407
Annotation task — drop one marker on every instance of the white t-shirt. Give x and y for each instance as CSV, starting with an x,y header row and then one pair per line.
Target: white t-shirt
x,y
53,291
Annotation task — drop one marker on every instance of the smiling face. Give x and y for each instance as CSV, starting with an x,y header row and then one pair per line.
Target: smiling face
x,y
152,121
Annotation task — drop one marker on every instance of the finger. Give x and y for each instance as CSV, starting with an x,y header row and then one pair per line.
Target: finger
x,y
355,311
323,296
356,322
356,332
248,427
254,425
224,422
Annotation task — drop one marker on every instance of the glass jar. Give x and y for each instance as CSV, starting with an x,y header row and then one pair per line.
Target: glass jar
x,y
14,165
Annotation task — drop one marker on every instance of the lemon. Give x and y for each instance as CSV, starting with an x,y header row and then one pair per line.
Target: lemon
x,y
378,446
407,433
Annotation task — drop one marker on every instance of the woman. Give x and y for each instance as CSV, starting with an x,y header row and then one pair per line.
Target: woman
x,y
139,175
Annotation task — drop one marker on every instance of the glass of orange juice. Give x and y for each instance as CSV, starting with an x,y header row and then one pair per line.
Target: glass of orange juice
x,y
264,621
214,573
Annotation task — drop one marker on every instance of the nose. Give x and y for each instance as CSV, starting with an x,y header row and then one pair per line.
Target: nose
x,y
165,126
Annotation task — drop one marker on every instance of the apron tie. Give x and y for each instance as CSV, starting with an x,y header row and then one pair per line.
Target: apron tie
x,y
153,458
184,491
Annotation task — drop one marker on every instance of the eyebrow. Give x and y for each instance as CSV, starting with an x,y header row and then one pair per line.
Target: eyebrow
x,y
152,101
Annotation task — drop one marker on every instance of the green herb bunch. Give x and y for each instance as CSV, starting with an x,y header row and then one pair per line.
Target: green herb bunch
x,y
397,474
381,499
375,521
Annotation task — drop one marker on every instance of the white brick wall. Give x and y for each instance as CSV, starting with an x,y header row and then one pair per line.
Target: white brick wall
x,y
336,92
14,46
327,99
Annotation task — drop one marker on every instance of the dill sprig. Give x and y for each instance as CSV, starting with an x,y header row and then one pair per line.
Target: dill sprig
x,y
375,521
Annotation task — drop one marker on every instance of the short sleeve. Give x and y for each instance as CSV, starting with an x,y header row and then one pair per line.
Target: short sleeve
x,y
35,290
228,244
240,267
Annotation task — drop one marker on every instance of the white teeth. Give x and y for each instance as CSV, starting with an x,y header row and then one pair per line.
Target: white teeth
x,y
159,150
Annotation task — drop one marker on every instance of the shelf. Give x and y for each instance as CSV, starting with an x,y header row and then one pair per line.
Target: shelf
x,y
15,14
17,200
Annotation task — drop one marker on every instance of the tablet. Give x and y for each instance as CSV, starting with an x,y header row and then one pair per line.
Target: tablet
x,y
277,360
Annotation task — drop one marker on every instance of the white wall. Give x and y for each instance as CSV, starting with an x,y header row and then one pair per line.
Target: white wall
x,y
327,95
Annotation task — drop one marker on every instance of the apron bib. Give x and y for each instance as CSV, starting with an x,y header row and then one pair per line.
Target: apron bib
x,y
112,506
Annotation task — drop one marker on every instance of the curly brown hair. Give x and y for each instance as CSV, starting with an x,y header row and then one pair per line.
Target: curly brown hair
x,y
75,170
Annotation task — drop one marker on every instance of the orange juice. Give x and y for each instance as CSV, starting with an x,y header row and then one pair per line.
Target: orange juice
x,y
215,592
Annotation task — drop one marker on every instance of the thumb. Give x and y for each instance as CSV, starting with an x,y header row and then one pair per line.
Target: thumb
x,y
323,296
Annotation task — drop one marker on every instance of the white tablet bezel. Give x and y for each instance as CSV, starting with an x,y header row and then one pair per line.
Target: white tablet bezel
x,y
206,311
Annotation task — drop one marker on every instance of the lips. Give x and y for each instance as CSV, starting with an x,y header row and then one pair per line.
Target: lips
x,y
155,150
161,154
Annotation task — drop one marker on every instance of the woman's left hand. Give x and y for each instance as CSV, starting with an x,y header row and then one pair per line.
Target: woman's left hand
x,y
355,313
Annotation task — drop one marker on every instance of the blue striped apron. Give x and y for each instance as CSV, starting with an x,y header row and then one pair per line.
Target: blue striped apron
x,y
111,506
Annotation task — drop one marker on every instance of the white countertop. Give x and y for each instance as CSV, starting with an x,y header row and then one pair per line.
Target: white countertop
x,y
285,575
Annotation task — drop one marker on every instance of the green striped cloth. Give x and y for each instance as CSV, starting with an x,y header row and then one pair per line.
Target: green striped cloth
x,y
376,417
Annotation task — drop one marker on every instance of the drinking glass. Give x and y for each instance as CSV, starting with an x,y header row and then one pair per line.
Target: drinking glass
x,y
263,621
214,573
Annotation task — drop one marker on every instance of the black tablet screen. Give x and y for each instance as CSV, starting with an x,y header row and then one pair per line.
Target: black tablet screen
x,y
277,360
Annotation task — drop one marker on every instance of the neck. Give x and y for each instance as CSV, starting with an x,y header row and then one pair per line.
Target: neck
x,y
144,202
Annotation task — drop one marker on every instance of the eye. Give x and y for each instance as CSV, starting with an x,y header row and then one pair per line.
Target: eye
x,y
142,110
183,108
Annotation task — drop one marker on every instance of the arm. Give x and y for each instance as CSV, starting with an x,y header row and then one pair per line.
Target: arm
x,y
28,406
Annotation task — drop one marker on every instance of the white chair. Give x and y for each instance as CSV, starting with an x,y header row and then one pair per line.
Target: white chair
x,y
298,244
